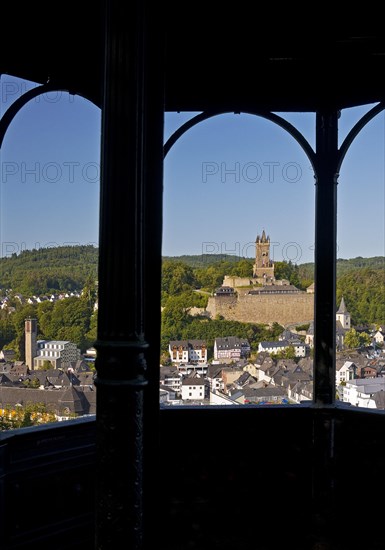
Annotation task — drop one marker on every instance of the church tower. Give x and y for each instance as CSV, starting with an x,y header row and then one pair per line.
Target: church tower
x,y
30,341
263,269
343,316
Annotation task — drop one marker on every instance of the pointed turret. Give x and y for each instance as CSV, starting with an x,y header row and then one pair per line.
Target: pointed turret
x,y
342,308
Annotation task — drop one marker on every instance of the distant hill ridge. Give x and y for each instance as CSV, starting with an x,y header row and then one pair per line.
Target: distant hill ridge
x,y
49,269
201,260
68,267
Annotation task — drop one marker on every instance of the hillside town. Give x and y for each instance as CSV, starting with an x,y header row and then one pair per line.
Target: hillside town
x,y
231,378
54,381
281,371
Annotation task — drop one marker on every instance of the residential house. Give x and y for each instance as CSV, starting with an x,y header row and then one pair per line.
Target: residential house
x,y
168,396
368,371
300,391
220,398
265,395
193,389
360,392
229,375
231,348
214,378
7,355
190,369
243,380
253,369
281,345
345,370
66,402
188,351
309,338
170,378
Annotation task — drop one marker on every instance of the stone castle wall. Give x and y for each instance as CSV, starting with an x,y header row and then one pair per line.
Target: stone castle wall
x,y
285,309
232,281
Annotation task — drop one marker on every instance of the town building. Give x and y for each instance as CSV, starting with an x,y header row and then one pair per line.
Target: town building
x,y
57,352
365,393
343,324
188,351
193,389
230,348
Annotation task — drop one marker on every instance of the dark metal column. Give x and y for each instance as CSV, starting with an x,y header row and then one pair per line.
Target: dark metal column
x,y
129,275
326,162
325,256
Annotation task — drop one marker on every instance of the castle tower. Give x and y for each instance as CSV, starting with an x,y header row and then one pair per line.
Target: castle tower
x,y
263,268
30,341
343,316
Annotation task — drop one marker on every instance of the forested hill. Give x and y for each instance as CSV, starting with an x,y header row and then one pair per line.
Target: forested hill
x,y
204,260
307,269
344,266
44,270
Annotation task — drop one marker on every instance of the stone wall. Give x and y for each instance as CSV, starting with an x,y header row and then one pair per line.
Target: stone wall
x,y
285,309
230,280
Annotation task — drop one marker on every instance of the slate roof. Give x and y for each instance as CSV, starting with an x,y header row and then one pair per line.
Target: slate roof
x,y
231,342
193,382
342,309
267,391
277,289
186,344
379,399
214,371
77,401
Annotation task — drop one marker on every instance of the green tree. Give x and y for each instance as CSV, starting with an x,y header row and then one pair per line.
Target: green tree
x,y
91,335
19,317
89,292
47,365
288,353
69,320
352,339
174,319
176,277
243,268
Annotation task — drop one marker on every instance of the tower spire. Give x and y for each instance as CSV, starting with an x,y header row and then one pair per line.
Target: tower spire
x,y
342,308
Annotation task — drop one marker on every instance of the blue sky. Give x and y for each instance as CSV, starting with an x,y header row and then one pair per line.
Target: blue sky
x,y
225,181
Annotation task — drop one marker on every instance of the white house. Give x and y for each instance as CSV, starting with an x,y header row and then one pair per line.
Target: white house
x,y
379,337
193,389
345,371
170,377
361,392
219,398
188,351
214,378
281,345
168,396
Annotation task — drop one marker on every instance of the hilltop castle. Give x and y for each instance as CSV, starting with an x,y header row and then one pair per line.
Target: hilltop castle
x,y
261,298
